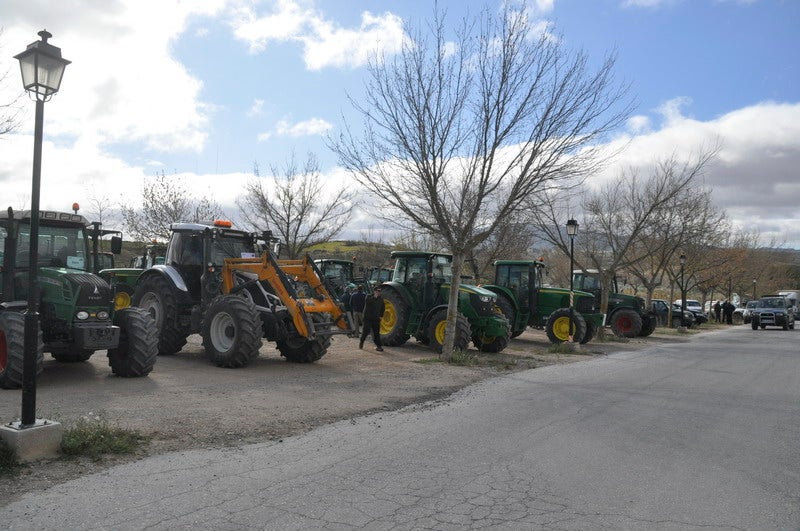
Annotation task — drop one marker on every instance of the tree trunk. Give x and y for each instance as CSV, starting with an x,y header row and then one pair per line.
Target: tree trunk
x,y
452,307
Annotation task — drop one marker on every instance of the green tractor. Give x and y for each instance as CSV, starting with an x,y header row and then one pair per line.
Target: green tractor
x,y
339,274
627,315
525,301
416,305
77,314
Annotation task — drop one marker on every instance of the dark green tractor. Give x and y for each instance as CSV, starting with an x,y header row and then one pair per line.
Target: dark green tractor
x,y
416,305
525,301
76,311
627,315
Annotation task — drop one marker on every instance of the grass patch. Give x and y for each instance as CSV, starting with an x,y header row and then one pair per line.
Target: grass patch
x,y
94,436
463,358
562,348
427,361
9,463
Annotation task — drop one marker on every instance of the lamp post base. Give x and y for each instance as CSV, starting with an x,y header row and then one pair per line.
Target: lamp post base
x,y
42,439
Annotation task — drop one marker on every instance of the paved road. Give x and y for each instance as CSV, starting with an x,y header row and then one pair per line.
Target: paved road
x,y
700,435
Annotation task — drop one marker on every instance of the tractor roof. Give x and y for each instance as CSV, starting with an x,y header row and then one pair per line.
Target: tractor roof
x,y
425,254
519,262
48,216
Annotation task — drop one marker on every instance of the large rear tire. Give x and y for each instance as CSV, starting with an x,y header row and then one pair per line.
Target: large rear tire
x,y
299,349
394,322
560,327
12,345
154,295
626,323
137,351
231,331
436,331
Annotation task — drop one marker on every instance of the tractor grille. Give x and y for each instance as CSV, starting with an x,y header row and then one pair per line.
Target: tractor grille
x,y
92,290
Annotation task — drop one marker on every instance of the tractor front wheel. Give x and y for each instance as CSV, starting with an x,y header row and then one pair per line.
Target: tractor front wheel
x,y
591,331
396,312
493,344
299,349
138,344
436,330
560,327
154,295
508,311
626,323
12,345
231,331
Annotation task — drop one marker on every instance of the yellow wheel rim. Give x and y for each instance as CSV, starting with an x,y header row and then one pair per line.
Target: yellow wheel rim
x,y
121,300
389,320
561,328
439,332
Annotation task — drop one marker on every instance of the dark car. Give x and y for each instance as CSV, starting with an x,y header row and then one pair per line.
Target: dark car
x,y
772,311
661,309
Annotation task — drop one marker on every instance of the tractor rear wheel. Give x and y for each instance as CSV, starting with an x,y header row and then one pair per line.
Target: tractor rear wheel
x,y
395,319
138,344
560,327
626,323
12,346
231,331
71,354
299,349
154,295
437,326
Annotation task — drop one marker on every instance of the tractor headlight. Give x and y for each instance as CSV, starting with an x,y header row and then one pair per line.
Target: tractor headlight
x,y
102,315
486,298
82,315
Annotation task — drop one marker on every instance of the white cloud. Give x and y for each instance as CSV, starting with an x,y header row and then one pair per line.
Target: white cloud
x,y
312,127
257,108
325,42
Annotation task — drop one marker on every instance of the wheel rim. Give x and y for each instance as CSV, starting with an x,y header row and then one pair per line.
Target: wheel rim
x,y
438,333
222,331
389,320
561,328
152,305
625,324
3,351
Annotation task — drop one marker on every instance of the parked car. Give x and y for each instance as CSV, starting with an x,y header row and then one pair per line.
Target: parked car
x,y
746,312
696,308
774,310
661,309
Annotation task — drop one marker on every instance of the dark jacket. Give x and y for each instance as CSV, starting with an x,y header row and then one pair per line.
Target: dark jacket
x,y
373,307
357,301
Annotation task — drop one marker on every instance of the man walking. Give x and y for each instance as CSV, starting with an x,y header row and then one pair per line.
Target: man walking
x,y
373,313
718,311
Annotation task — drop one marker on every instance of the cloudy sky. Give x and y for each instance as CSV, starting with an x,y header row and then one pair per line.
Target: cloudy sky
x,y
203,89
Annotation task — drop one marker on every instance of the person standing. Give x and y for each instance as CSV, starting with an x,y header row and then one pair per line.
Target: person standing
x,y
727,312
373,313
718,311
357,301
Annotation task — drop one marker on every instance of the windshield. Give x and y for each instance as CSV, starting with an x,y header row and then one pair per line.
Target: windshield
x,y
230,247
586,282
338,270
59,246
773,303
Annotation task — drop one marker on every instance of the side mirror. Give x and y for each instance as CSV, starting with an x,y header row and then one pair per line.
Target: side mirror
x,y
116,244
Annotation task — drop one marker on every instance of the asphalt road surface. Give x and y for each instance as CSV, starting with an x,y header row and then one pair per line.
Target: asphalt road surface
x,y
705,434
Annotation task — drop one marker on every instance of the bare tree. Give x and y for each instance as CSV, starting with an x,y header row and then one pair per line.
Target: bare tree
x,y
166,200
619,215
458,134
296,206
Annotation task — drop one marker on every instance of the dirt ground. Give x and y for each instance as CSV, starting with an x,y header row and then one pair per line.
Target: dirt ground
x,y
188,403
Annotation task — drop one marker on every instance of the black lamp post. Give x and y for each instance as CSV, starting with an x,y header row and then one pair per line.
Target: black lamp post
x,y
572,230
42,68
683,286
754,289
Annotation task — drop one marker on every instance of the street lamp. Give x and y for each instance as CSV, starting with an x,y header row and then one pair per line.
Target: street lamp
x,y
42,69
683,286
572,230
754,289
